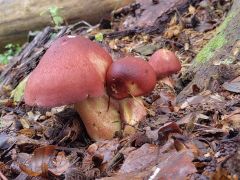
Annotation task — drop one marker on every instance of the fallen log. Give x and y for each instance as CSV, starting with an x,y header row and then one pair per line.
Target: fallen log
x,y
218,61
17,18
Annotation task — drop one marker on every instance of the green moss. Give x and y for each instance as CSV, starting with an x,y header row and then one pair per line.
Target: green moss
x,y
207,52
216,42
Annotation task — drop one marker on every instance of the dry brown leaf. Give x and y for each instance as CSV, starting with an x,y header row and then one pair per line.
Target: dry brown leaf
x,y
166,102
177,166
142,162
173,31
25,123
140,159
221,174
231,120
43,162
148,13
27,132
61,164
165,130
191,10
100,153
233,86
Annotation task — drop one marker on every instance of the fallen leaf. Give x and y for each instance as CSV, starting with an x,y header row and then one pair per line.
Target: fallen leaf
x,y
61,164
148,13
131,176
146,49
17,93
167,129
33,116
166,102
26,144
4,141
198,99
152,134
233,86
101,153
141,163
44,161
39,161
231,120
140,159
25,123
205,26
175,165
27,132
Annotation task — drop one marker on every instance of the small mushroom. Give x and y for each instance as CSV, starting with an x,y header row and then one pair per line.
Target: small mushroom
x,y
128,78
72,71
164,62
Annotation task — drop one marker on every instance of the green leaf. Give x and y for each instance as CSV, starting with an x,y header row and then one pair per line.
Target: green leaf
x,y
55,14
11,50
99,37
54,11
18,92
3,59
57,20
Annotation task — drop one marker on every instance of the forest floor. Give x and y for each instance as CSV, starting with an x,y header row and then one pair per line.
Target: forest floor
x,y
194,139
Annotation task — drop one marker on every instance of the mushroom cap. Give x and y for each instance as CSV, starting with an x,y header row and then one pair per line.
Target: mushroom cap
x,y
164,63
71,70
130,76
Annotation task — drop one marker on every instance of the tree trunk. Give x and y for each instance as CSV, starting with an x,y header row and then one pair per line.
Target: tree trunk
x,y
218,61
18,17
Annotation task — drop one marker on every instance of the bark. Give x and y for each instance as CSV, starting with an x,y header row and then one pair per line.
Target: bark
x,y
18,17
218,61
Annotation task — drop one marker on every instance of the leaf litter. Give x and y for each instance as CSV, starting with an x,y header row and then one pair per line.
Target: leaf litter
x,y
197,139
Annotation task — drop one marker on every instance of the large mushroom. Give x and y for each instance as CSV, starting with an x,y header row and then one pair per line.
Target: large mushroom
x,y
73,71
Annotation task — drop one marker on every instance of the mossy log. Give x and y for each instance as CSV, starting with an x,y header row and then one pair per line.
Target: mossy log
x,y
18,17
218,61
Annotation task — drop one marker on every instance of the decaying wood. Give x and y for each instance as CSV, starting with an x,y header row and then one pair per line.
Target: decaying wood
x,y
155,17
18,17
220,63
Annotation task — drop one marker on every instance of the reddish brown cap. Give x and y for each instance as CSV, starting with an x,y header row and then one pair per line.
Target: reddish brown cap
x,y
72,69
130,76
164,63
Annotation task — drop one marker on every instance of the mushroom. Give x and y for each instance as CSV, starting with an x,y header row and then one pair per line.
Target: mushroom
x,y
72,71
164,63
130,77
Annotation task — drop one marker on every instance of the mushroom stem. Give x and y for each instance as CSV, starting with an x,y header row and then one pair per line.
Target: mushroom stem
x,y
103,118
132,111
100,117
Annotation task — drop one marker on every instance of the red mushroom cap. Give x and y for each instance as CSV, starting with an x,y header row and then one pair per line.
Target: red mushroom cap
x,y
72,69
164,63
130,76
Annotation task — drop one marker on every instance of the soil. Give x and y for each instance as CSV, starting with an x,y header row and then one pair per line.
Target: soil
x,y
192,127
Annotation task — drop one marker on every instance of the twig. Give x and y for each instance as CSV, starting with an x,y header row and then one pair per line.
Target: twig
x,y
7,150
177,43
117,157
66,149
2,176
